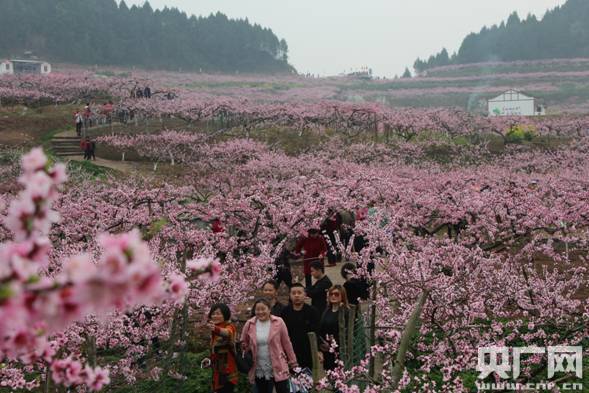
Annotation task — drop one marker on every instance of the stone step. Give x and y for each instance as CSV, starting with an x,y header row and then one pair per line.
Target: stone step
x,y
66,140
67,154
72,151
65,143
66,147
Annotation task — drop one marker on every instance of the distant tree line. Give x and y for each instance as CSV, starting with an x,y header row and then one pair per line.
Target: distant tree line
x,y
106,33
562,33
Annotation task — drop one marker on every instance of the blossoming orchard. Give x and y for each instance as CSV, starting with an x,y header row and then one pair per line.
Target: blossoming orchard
x,y
474,230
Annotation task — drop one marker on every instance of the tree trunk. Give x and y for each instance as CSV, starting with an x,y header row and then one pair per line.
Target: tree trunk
x,y
184,322
91,348
47,383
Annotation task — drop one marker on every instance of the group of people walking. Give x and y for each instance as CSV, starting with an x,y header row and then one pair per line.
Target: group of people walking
x,y
141,93
276,338
277,335
86,118
83,119
90,116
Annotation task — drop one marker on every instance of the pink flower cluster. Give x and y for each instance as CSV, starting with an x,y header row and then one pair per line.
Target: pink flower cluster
x,y
32,305
71,372
55,88
210,268
495,246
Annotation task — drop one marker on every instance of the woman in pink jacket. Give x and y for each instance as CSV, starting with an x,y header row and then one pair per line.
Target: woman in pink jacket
x,y
267,338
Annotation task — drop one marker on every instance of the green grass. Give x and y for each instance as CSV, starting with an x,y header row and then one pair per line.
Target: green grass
x,y
89,169
197,380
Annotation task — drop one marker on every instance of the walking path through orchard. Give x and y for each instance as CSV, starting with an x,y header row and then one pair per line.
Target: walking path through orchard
x,y
146,169
121,166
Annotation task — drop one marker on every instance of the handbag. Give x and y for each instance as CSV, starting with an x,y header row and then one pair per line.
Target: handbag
x,y
302,382
243,360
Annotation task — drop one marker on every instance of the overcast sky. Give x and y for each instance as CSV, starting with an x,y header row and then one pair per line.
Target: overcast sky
x,y
328,37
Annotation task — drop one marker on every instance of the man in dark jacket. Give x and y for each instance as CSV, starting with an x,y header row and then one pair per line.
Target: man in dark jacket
x,y
318,291
356,288
331,226
283,272
300,319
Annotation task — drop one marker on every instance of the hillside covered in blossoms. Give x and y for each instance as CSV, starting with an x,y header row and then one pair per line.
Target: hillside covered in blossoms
x,y
206,231
475,229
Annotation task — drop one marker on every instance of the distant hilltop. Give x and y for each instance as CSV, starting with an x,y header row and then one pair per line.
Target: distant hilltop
x,y
106,33
562,33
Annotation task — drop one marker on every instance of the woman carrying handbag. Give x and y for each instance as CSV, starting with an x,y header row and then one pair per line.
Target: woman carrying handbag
x,y
267,338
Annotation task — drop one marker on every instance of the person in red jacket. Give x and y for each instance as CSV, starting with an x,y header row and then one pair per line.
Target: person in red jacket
x,y
311,248
84,146
217,226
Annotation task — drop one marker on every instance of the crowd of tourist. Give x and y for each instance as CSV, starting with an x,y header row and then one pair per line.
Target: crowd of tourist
x,y
275,339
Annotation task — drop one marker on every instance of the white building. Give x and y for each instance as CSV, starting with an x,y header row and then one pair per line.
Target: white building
x,y
515,103
17,66
6,68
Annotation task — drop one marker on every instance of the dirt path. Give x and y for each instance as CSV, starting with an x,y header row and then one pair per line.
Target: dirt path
x,y
127,167
146,169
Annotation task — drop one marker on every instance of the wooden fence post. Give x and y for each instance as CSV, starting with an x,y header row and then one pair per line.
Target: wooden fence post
x,y
372,331
318,372
408,333
347,340
343,337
